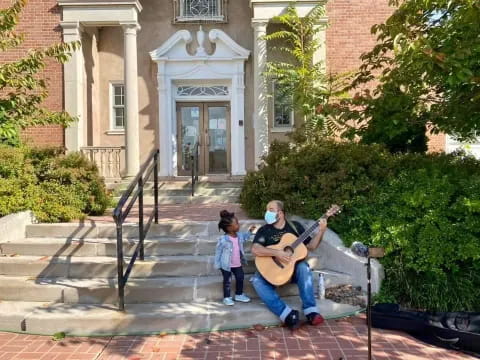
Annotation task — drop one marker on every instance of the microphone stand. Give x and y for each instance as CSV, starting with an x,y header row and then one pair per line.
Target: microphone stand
x,y
369,307
372,253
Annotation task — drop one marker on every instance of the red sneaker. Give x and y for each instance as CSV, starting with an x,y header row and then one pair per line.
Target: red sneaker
x,y
315,319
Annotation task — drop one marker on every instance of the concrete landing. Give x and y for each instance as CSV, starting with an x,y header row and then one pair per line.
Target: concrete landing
x,y
87,320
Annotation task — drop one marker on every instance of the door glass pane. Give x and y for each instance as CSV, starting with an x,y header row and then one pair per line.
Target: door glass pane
x,y
190,132
217,134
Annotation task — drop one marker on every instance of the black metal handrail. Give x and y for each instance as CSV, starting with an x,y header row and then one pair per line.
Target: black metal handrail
x,y
194,166
120,214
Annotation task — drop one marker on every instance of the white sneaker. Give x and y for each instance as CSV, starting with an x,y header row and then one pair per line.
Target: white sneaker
x,y
228,301
242,298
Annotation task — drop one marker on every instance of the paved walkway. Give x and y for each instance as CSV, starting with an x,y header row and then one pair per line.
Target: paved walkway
x,y
178,212
343,339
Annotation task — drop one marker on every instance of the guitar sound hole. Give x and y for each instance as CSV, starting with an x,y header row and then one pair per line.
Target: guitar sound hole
x,y
289,250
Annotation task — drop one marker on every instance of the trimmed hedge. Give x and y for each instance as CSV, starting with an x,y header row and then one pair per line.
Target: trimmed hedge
x,y
424,209
56,187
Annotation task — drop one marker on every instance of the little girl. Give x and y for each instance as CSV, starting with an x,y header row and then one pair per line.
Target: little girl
x,y
229,256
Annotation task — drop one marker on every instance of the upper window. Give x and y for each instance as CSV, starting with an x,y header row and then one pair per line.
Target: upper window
x,y
200,11
118,106
283,113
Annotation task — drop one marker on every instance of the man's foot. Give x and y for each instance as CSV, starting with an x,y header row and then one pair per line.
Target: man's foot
x,y
228,301
242,298
315,319
292,321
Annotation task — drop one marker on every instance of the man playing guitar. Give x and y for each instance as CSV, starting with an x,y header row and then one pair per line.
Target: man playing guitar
x,y
270,234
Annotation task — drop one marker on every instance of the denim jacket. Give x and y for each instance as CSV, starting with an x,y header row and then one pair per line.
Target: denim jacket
x,y
223,252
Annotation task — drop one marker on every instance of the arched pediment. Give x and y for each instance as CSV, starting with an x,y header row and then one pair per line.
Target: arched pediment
x,y
175,48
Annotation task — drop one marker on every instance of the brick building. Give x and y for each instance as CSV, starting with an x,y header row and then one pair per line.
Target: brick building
x,y
174,73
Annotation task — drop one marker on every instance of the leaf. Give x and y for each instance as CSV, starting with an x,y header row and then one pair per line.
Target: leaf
x,y
58,336
259,327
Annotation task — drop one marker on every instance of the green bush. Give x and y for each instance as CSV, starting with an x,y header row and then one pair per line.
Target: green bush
x,y
424,209
309,178
56,187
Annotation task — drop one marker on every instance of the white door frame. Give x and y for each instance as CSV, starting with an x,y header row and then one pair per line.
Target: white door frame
x,y
176,67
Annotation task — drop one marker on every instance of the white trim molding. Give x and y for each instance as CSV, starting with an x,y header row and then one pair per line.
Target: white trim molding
x,y
100,12
470,148
177,67
267,9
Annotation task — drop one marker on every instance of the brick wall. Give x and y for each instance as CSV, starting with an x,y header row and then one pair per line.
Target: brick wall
x,y
40,23
436,142
348,36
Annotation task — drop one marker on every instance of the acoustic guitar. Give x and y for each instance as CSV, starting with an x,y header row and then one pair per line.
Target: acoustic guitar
x,y
278,273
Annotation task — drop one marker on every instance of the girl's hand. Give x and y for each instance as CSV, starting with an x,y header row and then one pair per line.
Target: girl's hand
x,y
252,228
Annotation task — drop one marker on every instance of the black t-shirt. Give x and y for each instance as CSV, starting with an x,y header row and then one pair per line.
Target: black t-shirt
x,y
269,235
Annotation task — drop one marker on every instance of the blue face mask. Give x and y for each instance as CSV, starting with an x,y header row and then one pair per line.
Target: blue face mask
x,y
271,217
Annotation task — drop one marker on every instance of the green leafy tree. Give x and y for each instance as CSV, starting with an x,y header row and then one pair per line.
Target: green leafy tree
x,y
22,88
298,76
427,64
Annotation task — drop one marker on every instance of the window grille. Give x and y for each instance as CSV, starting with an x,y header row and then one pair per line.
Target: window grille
x,y
194,11
202,91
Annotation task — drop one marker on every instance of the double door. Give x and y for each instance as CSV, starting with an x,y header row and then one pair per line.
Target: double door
x,y
208,126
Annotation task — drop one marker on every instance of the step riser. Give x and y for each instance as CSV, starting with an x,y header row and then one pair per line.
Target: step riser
x,y
73,231
187,186
79,249
80,270
188,192
171,200
203,230
195,289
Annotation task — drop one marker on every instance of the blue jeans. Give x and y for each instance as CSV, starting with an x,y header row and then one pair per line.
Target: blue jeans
x,y
302,276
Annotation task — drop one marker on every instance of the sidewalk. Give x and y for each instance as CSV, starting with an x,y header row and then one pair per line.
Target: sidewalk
x,y
343,339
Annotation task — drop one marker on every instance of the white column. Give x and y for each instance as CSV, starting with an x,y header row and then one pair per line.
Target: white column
x,y
132,139
74,88
238,130
260,115
165,125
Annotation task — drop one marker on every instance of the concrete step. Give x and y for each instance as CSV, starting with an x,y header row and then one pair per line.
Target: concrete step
x,y
187,199
106,267
102,231
178,229
150,290
199,191
82,320
185,185
106,247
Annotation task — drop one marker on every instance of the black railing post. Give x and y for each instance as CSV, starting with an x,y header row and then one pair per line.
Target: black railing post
x,y
140,216
192,164
155,185
120,215
121,283
196,162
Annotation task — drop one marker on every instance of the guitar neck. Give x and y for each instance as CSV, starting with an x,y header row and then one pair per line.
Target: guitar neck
x,y
307,233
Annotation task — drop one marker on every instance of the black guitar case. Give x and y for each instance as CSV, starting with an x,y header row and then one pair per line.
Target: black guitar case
x,y
456,330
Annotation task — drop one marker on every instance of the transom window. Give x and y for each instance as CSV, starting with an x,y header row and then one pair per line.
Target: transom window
x,y
202,91
118,106
283,112
200,11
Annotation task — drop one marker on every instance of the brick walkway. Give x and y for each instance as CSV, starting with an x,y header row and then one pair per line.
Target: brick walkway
x,y
186,212
342,339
